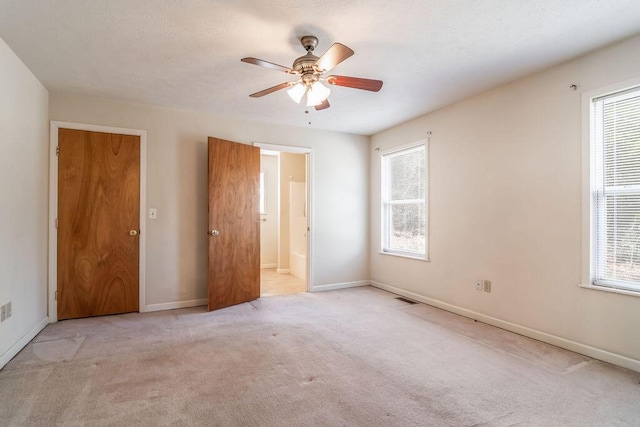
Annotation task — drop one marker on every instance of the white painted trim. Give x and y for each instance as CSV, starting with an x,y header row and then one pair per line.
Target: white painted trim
x,y
53,206
282,271
278,213
269,153
310,202
586,188
272,265
402,147
283,148
178,304
612,290
404,256
22,342
574,346
345,285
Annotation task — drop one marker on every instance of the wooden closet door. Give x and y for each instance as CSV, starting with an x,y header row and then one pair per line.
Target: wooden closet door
x,y
98,223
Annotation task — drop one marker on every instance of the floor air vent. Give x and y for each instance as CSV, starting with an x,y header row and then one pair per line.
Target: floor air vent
x,y
408,301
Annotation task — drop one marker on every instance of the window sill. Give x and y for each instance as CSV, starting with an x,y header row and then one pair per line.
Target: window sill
x,y
613,290
404,256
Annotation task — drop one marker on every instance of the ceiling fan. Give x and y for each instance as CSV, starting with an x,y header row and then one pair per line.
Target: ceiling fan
x,y
310,68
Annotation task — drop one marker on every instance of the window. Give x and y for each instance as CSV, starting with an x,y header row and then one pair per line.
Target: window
x,y
263,208
404,209
615,190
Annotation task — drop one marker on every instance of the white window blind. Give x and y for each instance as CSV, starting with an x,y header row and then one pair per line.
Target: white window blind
x,y
615,190
404,201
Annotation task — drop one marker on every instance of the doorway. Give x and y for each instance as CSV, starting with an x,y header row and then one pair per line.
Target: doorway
x,y
284,220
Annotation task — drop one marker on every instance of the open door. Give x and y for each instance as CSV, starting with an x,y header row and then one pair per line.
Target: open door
x,y
234,223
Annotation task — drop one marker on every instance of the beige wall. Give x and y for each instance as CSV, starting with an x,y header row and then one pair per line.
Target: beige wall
x,y
269,221
292,169
24,173
176,267
505,205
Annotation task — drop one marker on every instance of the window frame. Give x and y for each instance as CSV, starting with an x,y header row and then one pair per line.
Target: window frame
x,y
384,194
588,190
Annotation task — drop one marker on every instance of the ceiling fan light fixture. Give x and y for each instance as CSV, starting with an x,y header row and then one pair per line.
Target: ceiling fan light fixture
x,y
297,92
316,94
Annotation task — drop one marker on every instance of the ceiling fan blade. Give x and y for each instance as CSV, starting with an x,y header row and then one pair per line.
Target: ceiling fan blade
x,y
355,82
335,55
266,64
271,90
323,105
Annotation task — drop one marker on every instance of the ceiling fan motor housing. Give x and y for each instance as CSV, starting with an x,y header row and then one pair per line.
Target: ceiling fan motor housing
x,y
304,64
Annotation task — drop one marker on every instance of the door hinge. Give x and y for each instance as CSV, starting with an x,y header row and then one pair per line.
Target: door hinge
x,y
57,151
56,223
56,297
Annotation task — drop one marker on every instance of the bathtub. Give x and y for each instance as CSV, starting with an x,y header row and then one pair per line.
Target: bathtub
x,y
298,265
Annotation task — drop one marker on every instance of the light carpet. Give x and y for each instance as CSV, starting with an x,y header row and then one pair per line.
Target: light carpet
x,y
349,357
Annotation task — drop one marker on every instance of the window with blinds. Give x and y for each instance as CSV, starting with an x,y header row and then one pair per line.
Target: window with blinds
x,y
404,210
615,190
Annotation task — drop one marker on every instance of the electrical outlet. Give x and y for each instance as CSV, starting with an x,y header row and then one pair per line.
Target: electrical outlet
x,y
3,313
486,285
479,285
8,309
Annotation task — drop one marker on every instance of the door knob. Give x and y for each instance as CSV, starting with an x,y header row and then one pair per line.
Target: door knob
x,y
214,232
133,233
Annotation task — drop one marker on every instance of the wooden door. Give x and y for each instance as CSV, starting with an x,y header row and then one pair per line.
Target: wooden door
x,y
98,223
234,223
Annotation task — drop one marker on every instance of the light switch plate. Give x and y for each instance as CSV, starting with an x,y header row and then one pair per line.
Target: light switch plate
x,y
486,285
153,213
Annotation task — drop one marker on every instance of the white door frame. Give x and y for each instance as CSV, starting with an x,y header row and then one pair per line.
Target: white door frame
x,y
53,206
309,153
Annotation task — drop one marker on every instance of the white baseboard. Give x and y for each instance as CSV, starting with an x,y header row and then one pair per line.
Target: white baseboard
x,y
587,350
282,271
273,265
174,305
345,285
15,349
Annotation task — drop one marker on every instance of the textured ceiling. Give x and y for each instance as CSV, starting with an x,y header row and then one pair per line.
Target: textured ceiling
x,y
186,54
